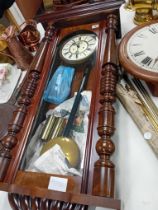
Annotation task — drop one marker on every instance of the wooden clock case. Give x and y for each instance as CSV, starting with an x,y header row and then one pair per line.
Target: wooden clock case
x,y
29,190
151,78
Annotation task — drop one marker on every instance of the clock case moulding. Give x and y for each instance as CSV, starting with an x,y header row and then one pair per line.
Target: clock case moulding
x,y
151,78
28,188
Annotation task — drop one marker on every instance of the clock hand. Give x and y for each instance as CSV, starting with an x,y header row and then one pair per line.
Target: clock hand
x,y
78,45
74,42
70,55
77,53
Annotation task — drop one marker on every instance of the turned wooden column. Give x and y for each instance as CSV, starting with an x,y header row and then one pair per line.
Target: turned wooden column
x,y
8,143
104,169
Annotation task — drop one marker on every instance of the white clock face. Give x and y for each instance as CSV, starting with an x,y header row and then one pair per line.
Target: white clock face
x,y
79,47
142,48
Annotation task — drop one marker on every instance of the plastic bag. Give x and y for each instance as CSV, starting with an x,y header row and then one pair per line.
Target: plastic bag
x,y
59,86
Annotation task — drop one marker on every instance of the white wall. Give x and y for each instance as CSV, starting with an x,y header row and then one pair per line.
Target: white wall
x,y
137,165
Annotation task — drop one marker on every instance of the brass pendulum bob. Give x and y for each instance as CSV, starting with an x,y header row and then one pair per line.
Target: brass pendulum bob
x,y
67,144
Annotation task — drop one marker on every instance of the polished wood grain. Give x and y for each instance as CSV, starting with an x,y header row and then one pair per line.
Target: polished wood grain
x,y
32,179
28,190
8,143
103,178
80,14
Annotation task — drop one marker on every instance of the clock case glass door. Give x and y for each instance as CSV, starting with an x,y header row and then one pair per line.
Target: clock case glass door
x,y
58,60
80,67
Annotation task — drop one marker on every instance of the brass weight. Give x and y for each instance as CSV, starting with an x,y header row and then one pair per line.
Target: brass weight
x,y
47,127
53,127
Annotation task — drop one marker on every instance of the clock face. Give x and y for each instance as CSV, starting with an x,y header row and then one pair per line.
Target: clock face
x,y
138,53
78,48
141,48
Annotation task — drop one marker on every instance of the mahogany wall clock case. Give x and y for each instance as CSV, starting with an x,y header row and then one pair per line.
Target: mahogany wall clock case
x,y
138,54
82,37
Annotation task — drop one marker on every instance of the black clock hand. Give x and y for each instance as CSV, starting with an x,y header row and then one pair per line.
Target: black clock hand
x,y
77,53
77,100
78,45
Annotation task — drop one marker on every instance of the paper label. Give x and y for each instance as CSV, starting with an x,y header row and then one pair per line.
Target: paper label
x,y
58,184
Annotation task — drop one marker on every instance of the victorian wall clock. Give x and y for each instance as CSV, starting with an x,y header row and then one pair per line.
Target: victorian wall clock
x,y
75,36
138,55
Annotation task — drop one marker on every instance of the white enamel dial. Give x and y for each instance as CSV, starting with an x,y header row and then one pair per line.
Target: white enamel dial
x,y
79,47
142,48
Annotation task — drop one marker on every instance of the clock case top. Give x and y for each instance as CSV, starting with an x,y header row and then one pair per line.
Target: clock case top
x,y
128,65
80,14
15,180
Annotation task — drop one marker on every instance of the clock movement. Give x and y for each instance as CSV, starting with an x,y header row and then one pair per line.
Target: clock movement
x,y
138,55
82,37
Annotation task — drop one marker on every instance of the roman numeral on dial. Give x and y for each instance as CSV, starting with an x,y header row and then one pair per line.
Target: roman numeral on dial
x,y
139,53
141,36
147,61
153,29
